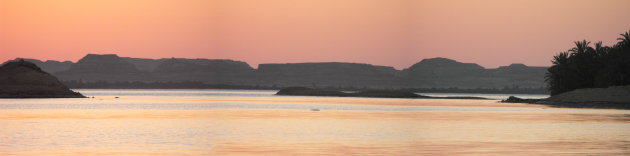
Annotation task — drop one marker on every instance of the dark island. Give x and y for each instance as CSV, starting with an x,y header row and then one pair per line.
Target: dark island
x,y
22,79
304,91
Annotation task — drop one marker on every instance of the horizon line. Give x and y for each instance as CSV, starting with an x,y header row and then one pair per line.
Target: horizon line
x,y
258,65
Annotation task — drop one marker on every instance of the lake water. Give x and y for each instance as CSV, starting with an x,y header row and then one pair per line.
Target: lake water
x,y
249,122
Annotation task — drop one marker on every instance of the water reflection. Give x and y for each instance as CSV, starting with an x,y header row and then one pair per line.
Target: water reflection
x,y
276,125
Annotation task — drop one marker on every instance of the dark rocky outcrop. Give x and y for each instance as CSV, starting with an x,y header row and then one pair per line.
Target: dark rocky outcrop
x,y
22,79
305,91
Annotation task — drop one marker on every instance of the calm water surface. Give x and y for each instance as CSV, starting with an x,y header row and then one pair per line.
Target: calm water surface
x,y
245,122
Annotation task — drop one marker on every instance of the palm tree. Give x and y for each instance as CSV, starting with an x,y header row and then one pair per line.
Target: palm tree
x,y
624,40
600,49
557,75
622,52
584,66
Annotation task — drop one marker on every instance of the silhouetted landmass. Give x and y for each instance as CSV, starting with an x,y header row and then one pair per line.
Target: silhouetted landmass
x,y
107,67
444,73
22,79
436,74
50,66
328,74
614,94
513,99
77,84
504,90
200,85
584,66
304,91
617,97
203,70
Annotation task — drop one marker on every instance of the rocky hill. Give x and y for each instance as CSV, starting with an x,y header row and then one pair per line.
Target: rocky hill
x,y
22,79
445,73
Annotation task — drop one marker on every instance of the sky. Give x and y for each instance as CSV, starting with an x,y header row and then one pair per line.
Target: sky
x,y
394,33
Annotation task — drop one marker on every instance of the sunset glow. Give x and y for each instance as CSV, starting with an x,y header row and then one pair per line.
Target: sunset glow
x,y
395,33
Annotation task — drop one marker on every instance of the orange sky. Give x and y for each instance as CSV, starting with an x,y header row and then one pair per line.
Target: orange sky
x,y
395,33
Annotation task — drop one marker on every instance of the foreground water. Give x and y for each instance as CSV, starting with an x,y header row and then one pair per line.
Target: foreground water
x,y
242,122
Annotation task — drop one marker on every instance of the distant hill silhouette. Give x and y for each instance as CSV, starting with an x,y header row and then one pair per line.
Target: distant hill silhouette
x,y
151,65
443,72
50,66
102,64
428,73
326,74
203,70
22,79
107,67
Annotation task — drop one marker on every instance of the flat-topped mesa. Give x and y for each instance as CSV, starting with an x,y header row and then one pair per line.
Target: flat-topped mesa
x,y
443,67
152,65
104,64
22,79
444,63
325,67
328,74
178,65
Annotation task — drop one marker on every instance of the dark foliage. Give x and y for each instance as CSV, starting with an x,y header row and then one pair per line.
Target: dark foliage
x,y
585,66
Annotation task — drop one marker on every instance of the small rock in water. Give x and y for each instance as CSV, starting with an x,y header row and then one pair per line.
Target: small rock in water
x,y
314,109
116,97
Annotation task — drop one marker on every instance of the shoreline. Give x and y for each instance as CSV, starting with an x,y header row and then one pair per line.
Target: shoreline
x,y
304,91
563,104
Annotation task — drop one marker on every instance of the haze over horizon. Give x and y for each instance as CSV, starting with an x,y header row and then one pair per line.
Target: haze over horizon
x,y
394,33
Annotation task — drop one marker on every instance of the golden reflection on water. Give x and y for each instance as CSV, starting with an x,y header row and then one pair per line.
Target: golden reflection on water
x,y
532,130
